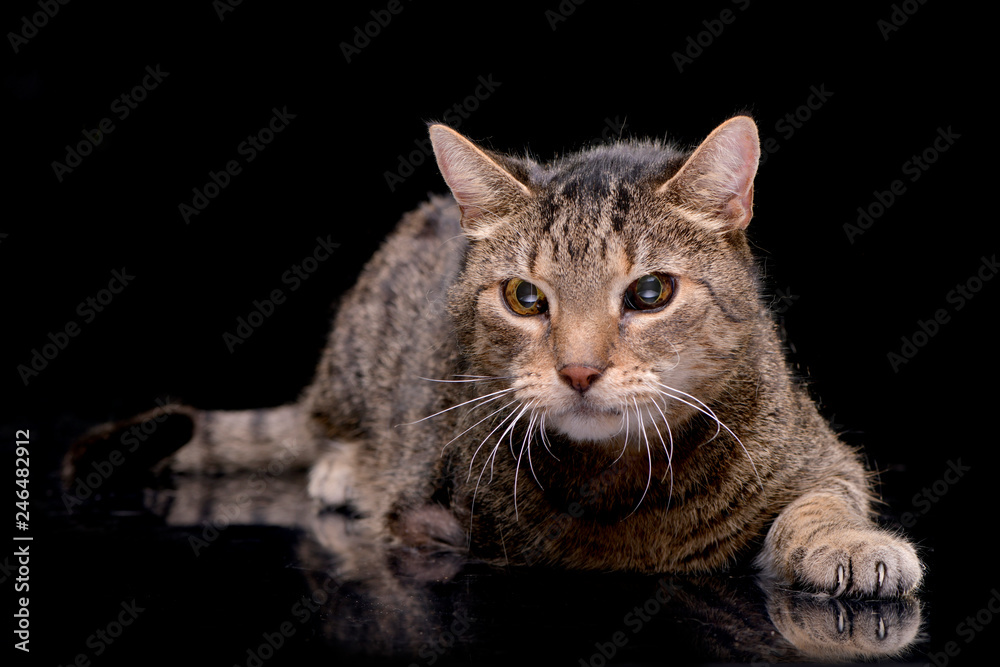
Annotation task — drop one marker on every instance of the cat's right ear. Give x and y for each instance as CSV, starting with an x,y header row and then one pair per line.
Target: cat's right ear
x,y
485,191
717,180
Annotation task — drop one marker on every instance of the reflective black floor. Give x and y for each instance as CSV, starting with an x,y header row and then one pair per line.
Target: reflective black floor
x,y
184,572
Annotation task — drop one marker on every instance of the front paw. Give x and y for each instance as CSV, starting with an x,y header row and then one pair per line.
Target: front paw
x,y
835,630
857,562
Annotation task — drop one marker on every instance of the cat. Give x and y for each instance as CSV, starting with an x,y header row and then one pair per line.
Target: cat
x,y
571,365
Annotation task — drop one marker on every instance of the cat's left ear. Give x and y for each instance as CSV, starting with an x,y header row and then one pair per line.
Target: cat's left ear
x,y
485,191
717,180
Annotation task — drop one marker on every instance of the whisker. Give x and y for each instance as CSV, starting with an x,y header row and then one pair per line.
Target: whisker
x,y
669,453
708,411
677,355
473,378
471,400
510,430
517,467
545,437
649,457
670,435
500,409
488,436
624,442
475,492
527,437
701,407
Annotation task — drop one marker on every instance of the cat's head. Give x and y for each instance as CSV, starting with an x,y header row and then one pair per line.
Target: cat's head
x,y
613,287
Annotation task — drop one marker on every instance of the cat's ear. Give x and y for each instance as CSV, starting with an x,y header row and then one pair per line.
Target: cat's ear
x,y
717,180
485,191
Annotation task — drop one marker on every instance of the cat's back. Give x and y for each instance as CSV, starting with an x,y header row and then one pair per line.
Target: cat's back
x,y
392,327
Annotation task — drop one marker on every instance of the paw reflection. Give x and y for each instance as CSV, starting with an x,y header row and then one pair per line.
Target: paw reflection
x,y
838,629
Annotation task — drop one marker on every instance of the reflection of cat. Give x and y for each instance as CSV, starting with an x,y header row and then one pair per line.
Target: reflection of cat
x,y
364,605
573,367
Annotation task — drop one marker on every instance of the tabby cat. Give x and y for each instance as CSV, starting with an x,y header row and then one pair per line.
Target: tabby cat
x,y
570,364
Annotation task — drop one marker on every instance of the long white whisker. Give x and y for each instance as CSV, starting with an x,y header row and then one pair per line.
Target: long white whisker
x,y
488,436
669,453
510,430
475,492
517,467
708,411
498,410
670,436
473,378
492,456
472,400
527,437
545,437
625,442
701,407
649,457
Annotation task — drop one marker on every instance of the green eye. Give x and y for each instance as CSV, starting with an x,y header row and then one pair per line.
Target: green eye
x,y
524,298
649,292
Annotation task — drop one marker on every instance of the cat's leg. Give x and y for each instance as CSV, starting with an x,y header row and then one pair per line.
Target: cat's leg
x,y
824,541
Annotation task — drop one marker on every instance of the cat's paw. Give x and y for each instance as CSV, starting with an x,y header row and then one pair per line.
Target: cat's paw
x,y
330,480
857,562
836,630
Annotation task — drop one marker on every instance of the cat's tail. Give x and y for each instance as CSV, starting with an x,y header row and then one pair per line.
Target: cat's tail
x,y
183,439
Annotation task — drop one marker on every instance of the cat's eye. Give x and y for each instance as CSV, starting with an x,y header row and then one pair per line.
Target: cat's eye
x,y
524,298
649,292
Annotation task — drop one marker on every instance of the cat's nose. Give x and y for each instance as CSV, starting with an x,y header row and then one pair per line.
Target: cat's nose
x,y
579,377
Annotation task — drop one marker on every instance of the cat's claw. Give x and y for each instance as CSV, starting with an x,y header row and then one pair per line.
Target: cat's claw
x,y
865,564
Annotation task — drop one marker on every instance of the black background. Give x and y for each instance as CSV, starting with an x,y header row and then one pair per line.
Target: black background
x,y
559,83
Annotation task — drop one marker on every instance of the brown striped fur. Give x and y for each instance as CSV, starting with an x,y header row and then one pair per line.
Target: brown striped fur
x,y
688,444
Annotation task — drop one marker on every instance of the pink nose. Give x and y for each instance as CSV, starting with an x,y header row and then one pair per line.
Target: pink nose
x,y
579,377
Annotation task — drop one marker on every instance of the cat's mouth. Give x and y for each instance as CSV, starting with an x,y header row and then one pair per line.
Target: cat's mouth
x,y
587,423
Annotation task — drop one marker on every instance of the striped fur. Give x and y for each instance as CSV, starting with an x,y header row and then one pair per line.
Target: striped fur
x,y
448,421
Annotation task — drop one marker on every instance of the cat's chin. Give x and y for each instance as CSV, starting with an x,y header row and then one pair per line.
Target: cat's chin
x,y
587,425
